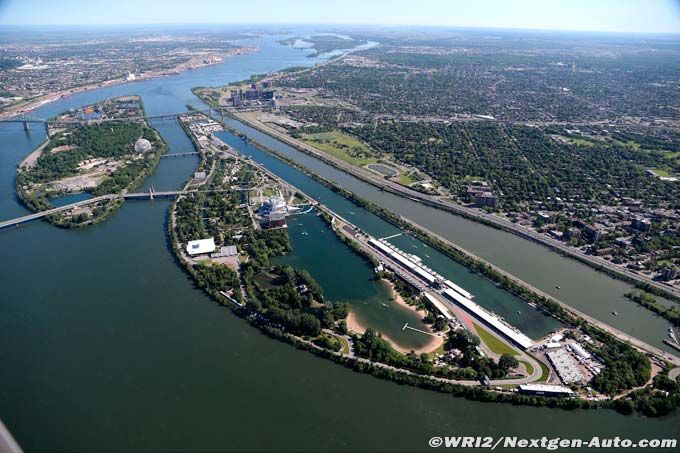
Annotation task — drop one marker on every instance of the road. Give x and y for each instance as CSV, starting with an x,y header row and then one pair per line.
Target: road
x,y
456,208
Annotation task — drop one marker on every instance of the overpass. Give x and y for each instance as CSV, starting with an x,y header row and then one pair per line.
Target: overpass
x,y
150,195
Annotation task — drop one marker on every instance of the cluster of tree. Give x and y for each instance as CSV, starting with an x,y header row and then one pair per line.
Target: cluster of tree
x,y
648,301
329,342
662,398
293,302
90,141
467,343
454,153
625,368
215,277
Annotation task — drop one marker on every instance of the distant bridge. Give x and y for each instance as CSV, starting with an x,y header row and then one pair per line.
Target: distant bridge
x,y
150,195
192,153
28,120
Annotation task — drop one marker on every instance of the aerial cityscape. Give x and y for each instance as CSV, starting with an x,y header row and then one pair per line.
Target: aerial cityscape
x,y
301,228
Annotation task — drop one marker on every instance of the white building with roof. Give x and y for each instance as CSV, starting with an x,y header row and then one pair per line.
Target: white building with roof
x,y
201,246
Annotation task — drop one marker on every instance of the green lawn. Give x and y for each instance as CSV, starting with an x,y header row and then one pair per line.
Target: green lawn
x,y
497,346
405,180
628,144
344,343
529,367
581,141
341,145
672,156
660,172
545,372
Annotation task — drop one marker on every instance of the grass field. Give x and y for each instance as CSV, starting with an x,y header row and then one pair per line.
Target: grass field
x,y
344,343
581,141
341,145
659,172
545,372
405,180
493,343
672,156
529,367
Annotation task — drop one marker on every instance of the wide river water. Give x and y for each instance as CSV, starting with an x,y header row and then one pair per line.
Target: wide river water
x,y
106,344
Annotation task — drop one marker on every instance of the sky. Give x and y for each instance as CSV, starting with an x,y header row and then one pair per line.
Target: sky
x,y
647,16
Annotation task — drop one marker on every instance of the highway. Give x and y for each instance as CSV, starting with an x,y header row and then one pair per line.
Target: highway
x,y
456,208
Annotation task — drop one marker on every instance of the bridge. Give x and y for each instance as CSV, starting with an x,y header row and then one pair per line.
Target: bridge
x,y
192,153
150,195
28,120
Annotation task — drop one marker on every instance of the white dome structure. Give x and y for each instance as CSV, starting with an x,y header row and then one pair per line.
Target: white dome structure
x,y
142,146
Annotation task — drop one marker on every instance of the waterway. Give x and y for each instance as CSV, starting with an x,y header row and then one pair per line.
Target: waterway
x,y
106,344
594,293
531,321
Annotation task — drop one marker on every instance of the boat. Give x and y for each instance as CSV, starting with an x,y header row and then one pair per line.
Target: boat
x,y
385,305
615,313
519,312
557,287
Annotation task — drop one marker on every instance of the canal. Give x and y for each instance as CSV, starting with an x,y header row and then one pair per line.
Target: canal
x,y
531,321
581,287
106,344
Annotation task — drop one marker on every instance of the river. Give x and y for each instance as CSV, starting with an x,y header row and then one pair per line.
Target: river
x,y
106,344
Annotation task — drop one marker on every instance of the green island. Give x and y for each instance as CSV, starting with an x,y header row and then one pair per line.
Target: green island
x,y
100,152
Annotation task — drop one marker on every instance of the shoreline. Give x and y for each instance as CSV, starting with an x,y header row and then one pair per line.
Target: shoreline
x,y
354,325
57,95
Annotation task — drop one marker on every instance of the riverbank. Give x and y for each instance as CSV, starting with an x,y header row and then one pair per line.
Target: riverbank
x,y
195,63
490,220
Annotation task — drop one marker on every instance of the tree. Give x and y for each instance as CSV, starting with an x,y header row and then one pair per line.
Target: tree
x,y
507,362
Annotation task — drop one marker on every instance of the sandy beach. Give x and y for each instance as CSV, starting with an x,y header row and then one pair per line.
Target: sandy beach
x,y
354,325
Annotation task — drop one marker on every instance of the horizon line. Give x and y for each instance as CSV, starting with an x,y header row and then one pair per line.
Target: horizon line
x,y
346,24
